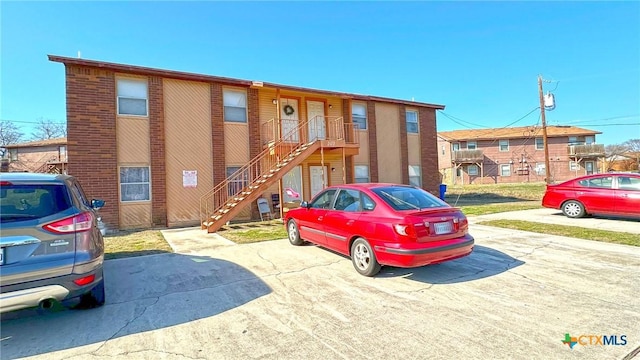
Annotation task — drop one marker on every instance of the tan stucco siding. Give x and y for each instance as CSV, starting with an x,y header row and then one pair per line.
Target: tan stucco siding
x,y
136,215
413,145
133,140
188,147
363,155
236,144
388,141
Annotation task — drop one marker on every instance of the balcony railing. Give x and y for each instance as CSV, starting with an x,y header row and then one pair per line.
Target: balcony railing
x,y
466,156
588,150
317,128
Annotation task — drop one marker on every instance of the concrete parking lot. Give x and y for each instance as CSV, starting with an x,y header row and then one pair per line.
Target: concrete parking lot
x,y
515,297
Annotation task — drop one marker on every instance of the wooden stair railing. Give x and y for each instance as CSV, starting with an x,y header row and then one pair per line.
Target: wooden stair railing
x,y
244,186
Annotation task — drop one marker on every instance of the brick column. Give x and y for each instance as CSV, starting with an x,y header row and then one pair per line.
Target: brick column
x,y
429,150
404,147
217,135
91,136
373,142
255,146
346,115
157,144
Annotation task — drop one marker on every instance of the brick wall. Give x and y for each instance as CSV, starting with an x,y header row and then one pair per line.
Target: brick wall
x,y
91,136
157,144
217,134
255,145
373,141
346,115
429,150
404,146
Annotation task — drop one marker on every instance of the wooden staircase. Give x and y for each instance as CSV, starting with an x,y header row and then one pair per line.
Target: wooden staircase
x,y
242,188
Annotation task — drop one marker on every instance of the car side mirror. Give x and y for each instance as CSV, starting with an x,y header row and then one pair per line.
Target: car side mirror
x,y
97,204
305,205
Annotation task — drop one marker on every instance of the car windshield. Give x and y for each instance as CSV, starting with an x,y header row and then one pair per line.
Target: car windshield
x,y
408,198
25,201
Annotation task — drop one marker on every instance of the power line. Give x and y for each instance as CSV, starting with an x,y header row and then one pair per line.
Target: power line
x,y
34,122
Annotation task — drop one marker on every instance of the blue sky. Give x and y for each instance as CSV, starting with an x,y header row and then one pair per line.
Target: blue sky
x,y
480,59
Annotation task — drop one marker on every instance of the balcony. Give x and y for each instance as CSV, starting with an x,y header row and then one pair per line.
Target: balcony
x,y
586,151
468,156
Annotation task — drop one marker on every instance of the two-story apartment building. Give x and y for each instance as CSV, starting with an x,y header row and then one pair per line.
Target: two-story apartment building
x,y
516,154
42,156
169,148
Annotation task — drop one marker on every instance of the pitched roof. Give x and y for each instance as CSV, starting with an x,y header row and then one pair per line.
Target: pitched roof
x,y
132,69
38,143
515,133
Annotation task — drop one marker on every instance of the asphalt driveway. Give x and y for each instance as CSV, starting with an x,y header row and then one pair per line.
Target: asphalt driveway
x,y
515,297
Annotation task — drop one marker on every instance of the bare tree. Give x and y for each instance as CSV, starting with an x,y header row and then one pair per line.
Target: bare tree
x,y
48,129
613,153
633,147
9,134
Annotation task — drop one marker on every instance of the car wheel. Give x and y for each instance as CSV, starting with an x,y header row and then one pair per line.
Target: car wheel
x,y
94,298
293,233
363,258
573,209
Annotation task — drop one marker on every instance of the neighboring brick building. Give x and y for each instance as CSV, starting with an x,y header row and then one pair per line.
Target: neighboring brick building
x,y
42,156
509,155
168,148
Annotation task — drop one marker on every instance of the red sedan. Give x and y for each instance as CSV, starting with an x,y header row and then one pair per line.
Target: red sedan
x,y
381,224
610,193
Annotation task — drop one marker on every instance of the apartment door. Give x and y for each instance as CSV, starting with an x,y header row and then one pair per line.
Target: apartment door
x,y
589,166
318,178
317,125
289,119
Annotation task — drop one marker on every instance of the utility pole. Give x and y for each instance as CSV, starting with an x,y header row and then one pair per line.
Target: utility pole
x,y
544,133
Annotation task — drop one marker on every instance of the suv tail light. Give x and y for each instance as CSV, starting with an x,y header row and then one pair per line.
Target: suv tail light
x,y
78,223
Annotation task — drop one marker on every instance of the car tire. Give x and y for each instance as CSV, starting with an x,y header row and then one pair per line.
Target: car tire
x,y
293,233
94,298
363,258
573,209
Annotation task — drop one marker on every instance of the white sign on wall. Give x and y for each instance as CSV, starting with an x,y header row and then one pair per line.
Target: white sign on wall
x,y
190,178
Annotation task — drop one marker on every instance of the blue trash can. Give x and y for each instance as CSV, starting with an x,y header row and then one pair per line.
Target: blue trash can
x,y
443,190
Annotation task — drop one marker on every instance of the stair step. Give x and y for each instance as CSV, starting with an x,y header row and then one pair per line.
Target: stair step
x,y
261,181
238,198
246,192
224,211
267,175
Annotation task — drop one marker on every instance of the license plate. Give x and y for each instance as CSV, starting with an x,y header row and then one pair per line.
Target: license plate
x,y
1,256
443,227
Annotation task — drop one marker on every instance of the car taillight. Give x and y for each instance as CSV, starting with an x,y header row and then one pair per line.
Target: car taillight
x,y
84,280
404,230
5,183
77,223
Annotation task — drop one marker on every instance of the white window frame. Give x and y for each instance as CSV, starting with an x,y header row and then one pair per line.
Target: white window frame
x,y
539,145
573,165
13,154
361,179
590,139
416,178
122,185
502,143
360,117
505,170
225,105
120,85
455,146
573,140
475,145
475,172
417,127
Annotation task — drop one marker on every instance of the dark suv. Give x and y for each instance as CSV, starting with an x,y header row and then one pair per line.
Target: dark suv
x,y
51,247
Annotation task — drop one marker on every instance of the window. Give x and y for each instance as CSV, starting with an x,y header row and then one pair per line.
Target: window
x,y
443,150
132,97
504,145
541,169
324,200
415,178
472,145
472,170
539,144
13,154
235,106
603,182
588,140
348,200
63,153
628,183
573,166
238,182
408,198
134,184
412,122
359,115
456,146
505,170
361,173
573,140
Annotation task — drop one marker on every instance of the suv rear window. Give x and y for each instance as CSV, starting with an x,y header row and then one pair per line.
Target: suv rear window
x,y
23,202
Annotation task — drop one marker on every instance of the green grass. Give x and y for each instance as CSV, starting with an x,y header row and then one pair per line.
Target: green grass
x,y
493,208
254,232
135,243
461,195
569,231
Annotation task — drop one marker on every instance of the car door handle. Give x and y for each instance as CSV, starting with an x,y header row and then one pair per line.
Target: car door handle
x,y
320,218
350,222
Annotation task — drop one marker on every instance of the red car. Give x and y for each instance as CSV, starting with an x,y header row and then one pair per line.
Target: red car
x,y
610,193
381,224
